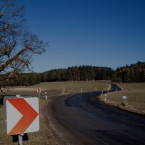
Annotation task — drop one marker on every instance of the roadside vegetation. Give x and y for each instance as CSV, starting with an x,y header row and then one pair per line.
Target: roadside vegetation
x,y
135,93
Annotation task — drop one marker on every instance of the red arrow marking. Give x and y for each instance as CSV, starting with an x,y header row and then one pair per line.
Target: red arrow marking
x,y
29,114
38,91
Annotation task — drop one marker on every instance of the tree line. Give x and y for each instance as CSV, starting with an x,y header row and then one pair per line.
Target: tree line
x,y
77,73
132,73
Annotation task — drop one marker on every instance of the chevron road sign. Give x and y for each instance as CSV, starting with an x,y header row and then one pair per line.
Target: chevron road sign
x,y
22,115
38,90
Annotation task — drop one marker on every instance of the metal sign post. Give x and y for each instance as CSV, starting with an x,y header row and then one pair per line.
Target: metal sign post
x,y
20,139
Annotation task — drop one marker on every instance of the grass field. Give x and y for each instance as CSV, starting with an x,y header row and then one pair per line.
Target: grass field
x,y
56,88
72,86
45,135
135,93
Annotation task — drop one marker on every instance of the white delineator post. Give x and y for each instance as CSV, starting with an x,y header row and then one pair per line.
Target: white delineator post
x,y
124,100
105,97
46,95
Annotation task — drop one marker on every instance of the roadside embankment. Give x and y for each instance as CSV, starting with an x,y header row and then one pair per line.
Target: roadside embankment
x,y
131,98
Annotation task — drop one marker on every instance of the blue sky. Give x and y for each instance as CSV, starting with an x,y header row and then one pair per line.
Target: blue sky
x,y
87,32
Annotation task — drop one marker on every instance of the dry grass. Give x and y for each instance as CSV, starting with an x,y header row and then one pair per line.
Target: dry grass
x,y
72,86
135,93
56,88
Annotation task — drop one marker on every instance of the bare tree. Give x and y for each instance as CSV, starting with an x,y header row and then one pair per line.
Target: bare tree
x,y
17,44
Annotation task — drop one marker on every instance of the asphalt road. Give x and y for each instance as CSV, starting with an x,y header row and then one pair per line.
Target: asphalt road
x,y
91,122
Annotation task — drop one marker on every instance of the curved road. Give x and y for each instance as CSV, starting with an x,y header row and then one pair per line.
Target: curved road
x,y
91,122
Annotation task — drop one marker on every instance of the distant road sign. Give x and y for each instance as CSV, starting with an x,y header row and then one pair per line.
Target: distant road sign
x,y
22,115
38,90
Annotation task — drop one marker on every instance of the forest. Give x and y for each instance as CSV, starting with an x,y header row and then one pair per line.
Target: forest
x,y
127,74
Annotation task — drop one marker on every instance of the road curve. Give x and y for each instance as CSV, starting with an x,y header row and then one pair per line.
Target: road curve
x,y
91,122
